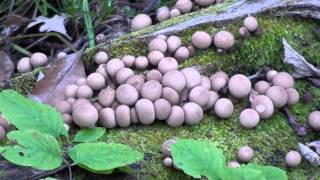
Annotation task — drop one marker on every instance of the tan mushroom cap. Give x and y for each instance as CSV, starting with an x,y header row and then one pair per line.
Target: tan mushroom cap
x,y
283,79
250,23
140,21
223,40
170,95
293,159
134,116
136,81
107,118
175,80
184,6
278,96
249,118
199,95
175,12
81,81
263,105
38,59
192,76
205,81
96,81
218,80
213,98
126,94
162,108
113,66
165,147
168,64
314,120
293,96
70,91
67,119
24,65
261,87
141,62
63,107
193,113
181,54
201,40
155,57
101,57
158,44
204,2
128,60
223,108
167,162
154,74
271,74
151,90
245,154
85,116
122,114
106,96
176,117
239,86
174,42
79,102
163,13
145,111
84,91
61,55
123,74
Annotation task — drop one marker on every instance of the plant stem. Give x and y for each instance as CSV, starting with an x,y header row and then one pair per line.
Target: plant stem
x,y
21,50
88,22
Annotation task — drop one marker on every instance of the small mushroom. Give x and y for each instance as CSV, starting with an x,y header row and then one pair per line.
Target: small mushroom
x,y
155,57
2,133
67,119
218,80
201,40
163,13
107,96
122,114
126,94
113,66
145,111
243,32
134,116
123,74
79,102
81,81
261,87
61,55
245,154
162,36
213,98
174,80
101,57
141,62
191,49
293,96
193,77
100,38
283,79
205,81
278,96
223,40
174,42
4,123
293,159
154,74
223,108
128,61
151,90
167,162
70,91
85,116
249,118
193,113
184,6
181,54
204,2
140,21
84,91
239,86
176,117
263,105
136,81
107,118
102,70
199,95
233,164
167,64
38,59
175,12
96,81
165,147
271,74
24,65
162,108
250,23
63,107
314,120
158,44
170,95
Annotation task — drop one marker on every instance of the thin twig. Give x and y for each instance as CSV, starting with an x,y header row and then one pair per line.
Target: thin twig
x,y
21,50
69,168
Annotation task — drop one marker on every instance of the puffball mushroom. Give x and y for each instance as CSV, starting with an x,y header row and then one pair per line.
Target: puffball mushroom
x,y
122,114
128,60
271,74
158,44
283,79
162,108
223,40
204,2
201,40
38,59
233,164
168,64
141,62
165,147
250,23
96,81
167,162
205,81
4,123
243,32
2,133
213,97
261,87
85,116
175,12
81,81
245,154
193,77
61,55
314,120
293,96
70,91
84,91
155,57
107,96
145,111
278,96
175,80
199,95
174,42
184,6
67,119
136,81
162,36
79,102
123,74
140,21
101,57
263,105
249,118
239,86
154,74
176,117
193,113
182,53
63,107
133,115
151,90
126,94
223,108
24,65
293,159
107,118
113,66
218,80
170,95
163,13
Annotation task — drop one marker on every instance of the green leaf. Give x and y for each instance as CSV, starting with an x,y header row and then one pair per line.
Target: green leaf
x,y
95,171
89,135
126,169
49,178
33,148
198,158
270,172
102,156
241,173
25,114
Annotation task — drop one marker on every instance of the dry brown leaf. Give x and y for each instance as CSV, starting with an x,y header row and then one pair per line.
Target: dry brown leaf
x,y
6,67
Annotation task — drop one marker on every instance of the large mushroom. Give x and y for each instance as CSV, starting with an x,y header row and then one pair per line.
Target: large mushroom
x,y
199,95
151,90
193,113
223,40
85,116
170,95
140,21
106,96
107,118
158,44
283,79
162,108
218,80
176,117
201,40
239,86
168,64
192,76
263,105
175,80
126,94
278,96
223,108
314,120
145,111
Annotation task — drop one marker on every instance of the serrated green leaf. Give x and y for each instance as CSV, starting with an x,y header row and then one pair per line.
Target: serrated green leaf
x,y
89,135
198,158
269,172
25,114
102,156
33,148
